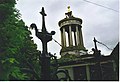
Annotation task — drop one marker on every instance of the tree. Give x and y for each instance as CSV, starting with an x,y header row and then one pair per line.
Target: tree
x,y
19,57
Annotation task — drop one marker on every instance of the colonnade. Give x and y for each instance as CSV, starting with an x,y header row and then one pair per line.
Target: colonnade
x,y
77,33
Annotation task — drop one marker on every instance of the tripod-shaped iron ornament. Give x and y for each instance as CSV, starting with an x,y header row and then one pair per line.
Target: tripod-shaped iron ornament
x,y
45,37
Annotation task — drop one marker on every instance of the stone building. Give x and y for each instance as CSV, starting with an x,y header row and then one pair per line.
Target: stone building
x,y
74,57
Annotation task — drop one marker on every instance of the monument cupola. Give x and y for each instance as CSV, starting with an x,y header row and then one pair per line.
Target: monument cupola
x,y
71,34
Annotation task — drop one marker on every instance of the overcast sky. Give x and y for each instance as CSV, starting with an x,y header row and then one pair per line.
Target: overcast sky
x,y
98,22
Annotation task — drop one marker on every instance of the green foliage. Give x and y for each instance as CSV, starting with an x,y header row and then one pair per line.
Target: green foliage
x,y
11,70
6,8
79,47
18,54
68,57
17,74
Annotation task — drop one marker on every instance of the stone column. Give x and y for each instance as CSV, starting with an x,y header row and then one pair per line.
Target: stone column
x,y
62,43
81,38
70,37
78,37
75,39
115,70
64,38
88,72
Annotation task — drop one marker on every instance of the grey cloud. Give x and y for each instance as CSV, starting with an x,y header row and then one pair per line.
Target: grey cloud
x,y
97,21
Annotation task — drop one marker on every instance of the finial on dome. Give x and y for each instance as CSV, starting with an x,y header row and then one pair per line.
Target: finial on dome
x,y
69,13
68,8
